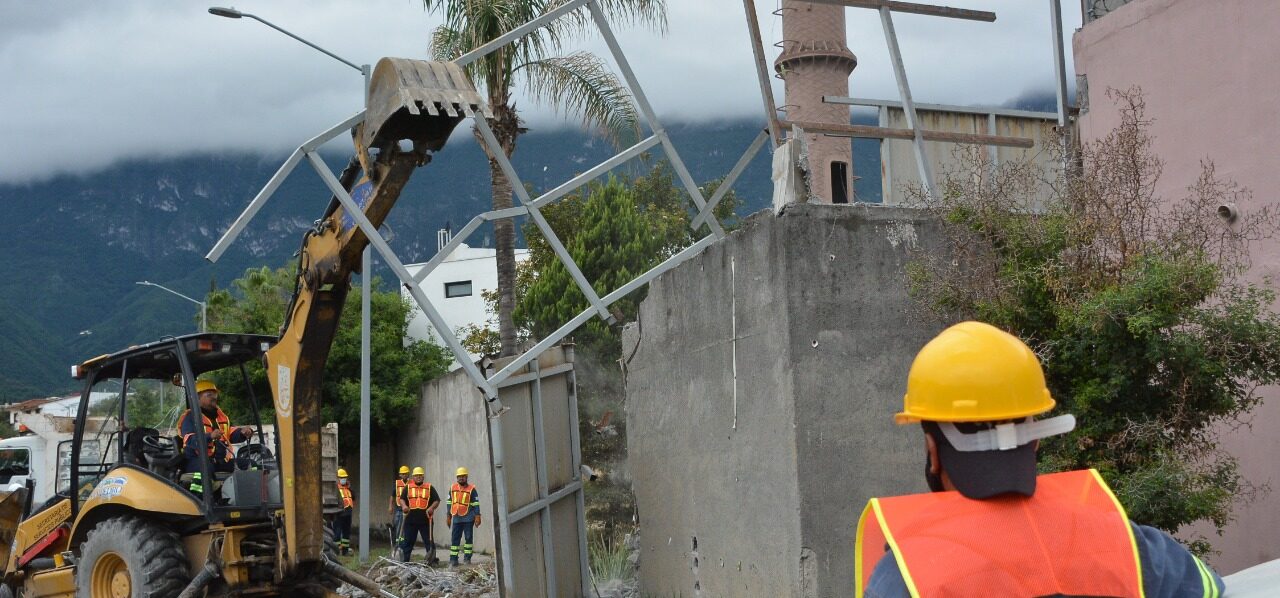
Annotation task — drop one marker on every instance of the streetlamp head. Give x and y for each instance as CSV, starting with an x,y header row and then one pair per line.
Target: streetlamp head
x,y
229,13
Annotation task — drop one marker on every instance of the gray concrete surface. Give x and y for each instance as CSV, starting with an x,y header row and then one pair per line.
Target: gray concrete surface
x,y
754,486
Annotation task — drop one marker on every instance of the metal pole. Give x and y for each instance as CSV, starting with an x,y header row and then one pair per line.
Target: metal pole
x,y
1060,79
908,106
204,317
366,279
286,32
762,74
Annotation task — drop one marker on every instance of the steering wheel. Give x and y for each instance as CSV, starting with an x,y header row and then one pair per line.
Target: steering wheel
x,y
158,443
253,456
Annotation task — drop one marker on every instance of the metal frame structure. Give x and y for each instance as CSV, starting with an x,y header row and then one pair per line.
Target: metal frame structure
x,y
489,384
913,132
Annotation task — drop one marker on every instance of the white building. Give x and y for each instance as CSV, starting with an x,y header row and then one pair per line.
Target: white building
x,y
455,288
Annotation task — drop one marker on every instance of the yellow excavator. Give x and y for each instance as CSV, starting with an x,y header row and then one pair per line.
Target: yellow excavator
x,y
141,513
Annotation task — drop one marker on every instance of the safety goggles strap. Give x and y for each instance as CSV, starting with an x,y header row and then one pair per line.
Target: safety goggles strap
x,y
1004,437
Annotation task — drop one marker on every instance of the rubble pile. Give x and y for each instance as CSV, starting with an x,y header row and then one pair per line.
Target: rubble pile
x,y
417,580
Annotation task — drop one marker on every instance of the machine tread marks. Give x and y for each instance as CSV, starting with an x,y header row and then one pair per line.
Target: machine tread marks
x,y
156,559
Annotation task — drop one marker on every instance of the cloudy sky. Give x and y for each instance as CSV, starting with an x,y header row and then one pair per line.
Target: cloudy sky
x,y
88,83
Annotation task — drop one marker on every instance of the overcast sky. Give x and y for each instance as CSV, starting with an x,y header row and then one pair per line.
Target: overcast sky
x,y
88,83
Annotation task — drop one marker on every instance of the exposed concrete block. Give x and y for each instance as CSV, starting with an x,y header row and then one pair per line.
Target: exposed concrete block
x,y
769,471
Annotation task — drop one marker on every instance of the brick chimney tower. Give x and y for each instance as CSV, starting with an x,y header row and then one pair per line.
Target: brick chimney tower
x,y
815,62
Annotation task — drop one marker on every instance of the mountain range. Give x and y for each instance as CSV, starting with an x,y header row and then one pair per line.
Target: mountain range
x,y
78,245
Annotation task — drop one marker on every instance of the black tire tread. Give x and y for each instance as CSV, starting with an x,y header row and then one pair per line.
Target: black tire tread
x,y
157,552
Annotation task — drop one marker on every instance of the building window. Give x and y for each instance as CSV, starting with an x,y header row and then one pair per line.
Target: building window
x,y
457,289
839,182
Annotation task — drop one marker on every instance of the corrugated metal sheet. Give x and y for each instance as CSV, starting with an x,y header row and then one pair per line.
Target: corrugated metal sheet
x,y
899,171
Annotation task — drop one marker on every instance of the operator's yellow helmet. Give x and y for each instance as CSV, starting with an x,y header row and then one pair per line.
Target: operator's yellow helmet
x,y
419,471
404,469
461,471
974,372
342,473
203,385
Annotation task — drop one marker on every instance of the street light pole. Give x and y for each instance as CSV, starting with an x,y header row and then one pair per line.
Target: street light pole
x,y
204,307
365,276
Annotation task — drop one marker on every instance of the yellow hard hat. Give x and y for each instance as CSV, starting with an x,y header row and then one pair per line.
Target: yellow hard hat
x,y
419,471
342,473
203,385
461,471
404,469
974,372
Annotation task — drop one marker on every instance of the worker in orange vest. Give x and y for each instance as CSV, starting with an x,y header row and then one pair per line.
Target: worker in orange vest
x,y
218,431
342,521
991,526
463,517
419,501
397,514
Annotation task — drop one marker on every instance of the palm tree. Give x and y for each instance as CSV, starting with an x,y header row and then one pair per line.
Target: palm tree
x,y
575,84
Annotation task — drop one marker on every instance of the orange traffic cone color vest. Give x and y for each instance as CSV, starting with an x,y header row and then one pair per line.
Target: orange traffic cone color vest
x,y
1071,538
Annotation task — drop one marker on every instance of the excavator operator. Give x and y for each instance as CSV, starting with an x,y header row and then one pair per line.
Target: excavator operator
x,y
217,429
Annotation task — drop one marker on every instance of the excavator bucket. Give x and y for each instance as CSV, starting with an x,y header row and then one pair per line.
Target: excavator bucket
x,y
12,504
419,100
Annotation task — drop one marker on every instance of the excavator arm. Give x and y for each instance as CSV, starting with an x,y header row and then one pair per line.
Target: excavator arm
x,y
412,108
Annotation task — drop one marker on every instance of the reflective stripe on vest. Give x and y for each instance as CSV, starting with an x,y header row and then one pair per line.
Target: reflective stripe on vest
x,y
224,423
345,493
419,495
1071,538
460,500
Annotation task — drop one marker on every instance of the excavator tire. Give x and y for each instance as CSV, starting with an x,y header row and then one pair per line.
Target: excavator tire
x,y
131,556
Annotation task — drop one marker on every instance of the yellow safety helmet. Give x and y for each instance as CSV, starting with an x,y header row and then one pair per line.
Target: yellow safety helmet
x,y
461,471
342,473
203,385
974,372
404,469
419,471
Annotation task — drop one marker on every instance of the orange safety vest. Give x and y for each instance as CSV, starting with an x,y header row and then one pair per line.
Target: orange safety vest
x,y
419,495
399,490
345,493
1071,538
460,499
224,423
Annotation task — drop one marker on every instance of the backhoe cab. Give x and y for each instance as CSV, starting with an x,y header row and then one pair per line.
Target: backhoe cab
x,y
139,515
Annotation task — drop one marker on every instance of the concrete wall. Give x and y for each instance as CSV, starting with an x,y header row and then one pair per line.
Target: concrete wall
x,y
1208,74
770,472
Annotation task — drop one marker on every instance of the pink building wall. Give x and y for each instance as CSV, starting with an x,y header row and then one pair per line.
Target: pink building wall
x,y
1210,74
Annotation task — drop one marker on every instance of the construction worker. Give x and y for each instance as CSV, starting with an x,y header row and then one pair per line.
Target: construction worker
x,y
419,501
342,521
463,517
217,431
394,510
991,526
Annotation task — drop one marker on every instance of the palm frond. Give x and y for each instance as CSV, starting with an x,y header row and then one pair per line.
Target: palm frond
x,y
581,84
651,14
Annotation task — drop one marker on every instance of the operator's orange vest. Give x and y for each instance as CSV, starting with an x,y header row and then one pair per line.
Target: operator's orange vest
x,y
400,484
419,495
1072,538
345,493
224,423
460,499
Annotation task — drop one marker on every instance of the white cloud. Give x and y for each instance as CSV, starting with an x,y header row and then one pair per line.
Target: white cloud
x,y
89,83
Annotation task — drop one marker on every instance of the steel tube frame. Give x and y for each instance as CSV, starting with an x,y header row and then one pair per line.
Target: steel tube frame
x,y
462,235
366,279
914,8
730,179
495,150
596,171
517,33
762,74
545,501
904,89
380,244
983,110
864,131
540,467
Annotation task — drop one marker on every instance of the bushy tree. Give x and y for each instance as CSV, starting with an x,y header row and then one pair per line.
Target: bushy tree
x,y
1136,304
255,304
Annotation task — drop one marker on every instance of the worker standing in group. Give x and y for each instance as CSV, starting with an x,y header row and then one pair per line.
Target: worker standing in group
x,y
991,526
419,501
394,510
342,521
463,517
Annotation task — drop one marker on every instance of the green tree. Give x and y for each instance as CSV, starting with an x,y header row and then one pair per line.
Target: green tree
x,y
1136,303
577,83
255,303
